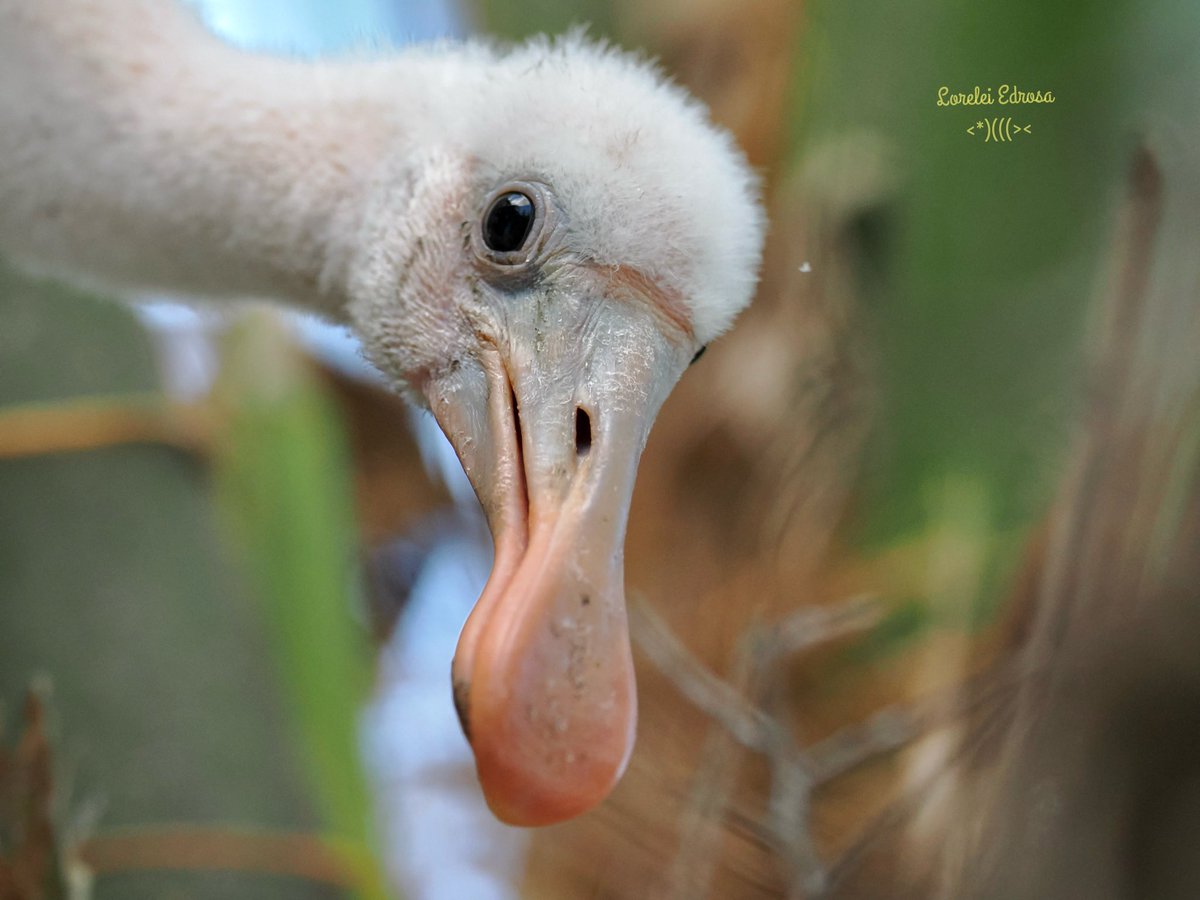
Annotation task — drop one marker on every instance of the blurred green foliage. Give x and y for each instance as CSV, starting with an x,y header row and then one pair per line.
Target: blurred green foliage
x,y
284,480
993,249
176,698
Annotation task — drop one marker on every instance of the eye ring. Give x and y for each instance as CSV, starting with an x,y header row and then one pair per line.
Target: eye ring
x,y
538,231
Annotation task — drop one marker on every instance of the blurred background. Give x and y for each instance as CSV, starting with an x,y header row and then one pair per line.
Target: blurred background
x,y
914,556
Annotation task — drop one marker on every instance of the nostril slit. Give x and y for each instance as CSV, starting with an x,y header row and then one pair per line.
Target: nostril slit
x,y
516,414
583,432
522,472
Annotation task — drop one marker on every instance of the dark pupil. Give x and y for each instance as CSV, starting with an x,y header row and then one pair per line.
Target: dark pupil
x,y
508,222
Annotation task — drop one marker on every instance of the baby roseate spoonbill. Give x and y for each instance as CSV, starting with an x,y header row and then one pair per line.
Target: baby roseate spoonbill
x,y
533,243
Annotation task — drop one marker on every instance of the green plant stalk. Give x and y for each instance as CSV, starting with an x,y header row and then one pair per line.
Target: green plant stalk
x,y
283,476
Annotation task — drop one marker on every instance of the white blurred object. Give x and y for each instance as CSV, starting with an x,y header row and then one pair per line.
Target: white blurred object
x,y
183,340
441,843
310,27
187,357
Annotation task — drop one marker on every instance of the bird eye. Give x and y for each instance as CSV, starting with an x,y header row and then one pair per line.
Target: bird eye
x,y
508,221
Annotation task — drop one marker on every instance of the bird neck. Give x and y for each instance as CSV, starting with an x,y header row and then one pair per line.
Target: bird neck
x,y
141,154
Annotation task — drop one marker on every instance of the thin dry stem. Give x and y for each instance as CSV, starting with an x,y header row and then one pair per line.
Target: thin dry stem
x,y
737,706
95,422
189,848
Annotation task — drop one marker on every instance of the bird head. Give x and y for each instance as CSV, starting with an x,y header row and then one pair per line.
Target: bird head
x,y
542,259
